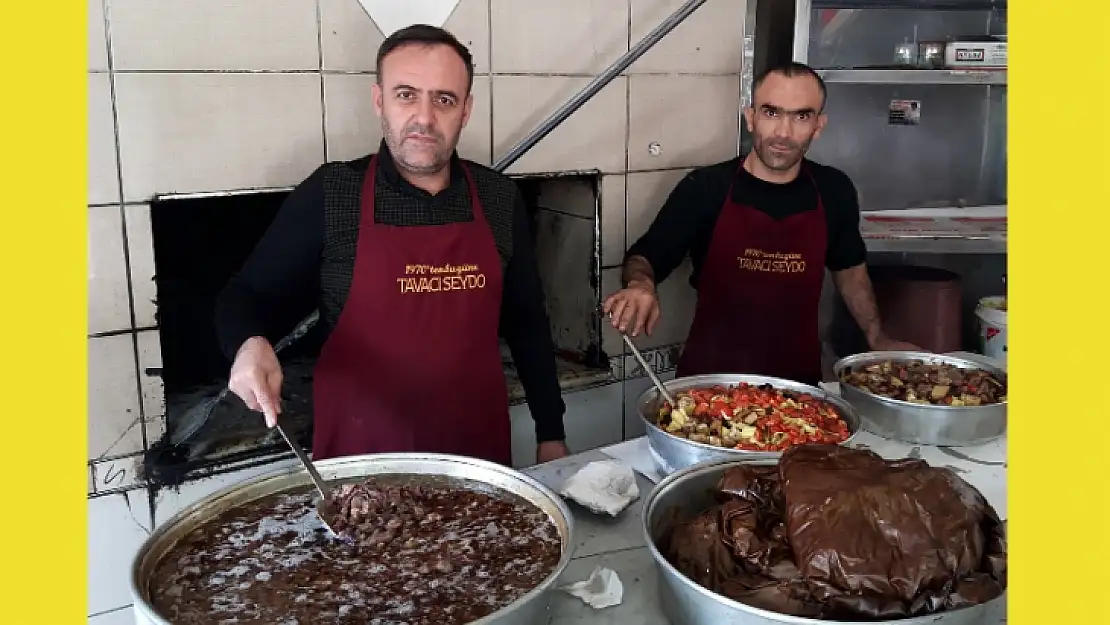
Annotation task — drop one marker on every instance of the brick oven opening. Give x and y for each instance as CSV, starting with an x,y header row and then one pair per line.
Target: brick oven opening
x,y
200,241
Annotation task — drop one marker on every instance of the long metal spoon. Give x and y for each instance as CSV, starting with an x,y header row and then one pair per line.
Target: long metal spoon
x,y
647,369
644,364
322,506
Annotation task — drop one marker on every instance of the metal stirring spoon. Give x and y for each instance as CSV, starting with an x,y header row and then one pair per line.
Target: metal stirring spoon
x,y
647,369
322,505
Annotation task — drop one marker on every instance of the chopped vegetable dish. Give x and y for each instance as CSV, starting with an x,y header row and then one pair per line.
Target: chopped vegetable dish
x,y
925,383
752,418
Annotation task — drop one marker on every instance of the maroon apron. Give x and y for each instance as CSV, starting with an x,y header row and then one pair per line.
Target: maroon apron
x,y
413,364
758,295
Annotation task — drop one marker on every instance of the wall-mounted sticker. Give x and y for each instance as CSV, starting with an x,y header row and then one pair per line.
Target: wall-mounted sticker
x,y
393,15
905,112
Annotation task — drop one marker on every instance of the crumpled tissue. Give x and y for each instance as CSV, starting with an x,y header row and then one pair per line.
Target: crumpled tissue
x,y
603,589
605,486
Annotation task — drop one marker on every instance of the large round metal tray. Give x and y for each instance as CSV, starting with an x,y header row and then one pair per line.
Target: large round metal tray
x,y
674,453
921,424
531,608
685,601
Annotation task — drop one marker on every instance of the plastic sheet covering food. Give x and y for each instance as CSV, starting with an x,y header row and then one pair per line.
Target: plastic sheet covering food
x,y
842,534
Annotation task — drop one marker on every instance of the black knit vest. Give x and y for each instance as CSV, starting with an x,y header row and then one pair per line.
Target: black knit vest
x,y
394,207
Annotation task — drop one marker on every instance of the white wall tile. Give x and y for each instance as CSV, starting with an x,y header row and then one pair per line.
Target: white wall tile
x,y
612,219
592,420
611,342
539,36
592,138
647,192
351,39
140,251
694,119
122,616
154,393
109,308
354,129
113,397
103,167
711,41
98,41
208,132
117,526
201,35
119,473
677,300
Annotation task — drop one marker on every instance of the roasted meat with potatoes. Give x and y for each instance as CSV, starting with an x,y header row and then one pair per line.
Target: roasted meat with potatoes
x,y
918,382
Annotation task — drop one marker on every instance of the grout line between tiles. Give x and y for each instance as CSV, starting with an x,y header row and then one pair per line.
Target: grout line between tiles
x,y
624,221
320,64
489,68
125,489
142,421
111,333
113,458
287,189
330,72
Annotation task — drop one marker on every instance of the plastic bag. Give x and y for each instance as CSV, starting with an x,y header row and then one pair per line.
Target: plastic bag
x,y
838,533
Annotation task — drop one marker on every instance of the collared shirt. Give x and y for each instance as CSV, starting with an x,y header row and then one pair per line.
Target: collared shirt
x,y
285,271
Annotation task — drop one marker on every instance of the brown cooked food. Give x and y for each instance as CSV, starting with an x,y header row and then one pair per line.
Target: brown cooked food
x,y
841,534
926,383
417,553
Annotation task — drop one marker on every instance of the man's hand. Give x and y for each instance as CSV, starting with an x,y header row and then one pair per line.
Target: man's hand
x,y
887,344
256,378
551,450
634,308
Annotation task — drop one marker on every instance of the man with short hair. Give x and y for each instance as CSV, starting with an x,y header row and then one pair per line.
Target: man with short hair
x,y
416,259
760,230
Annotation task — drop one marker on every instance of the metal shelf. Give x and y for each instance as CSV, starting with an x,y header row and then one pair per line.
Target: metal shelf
x,y
915,76
935,245
913,5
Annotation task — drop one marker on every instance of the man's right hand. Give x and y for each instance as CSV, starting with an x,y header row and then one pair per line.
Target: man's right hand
x,y
634,308
256,378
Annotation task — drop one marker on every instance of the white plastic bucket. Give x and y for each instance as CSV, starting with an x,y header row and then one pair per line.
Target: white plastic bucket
x,y
991,313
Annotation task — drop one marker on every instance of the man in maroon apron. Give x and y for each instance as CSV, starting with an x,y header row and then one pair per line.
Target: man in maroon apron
x,y
419,265
760,231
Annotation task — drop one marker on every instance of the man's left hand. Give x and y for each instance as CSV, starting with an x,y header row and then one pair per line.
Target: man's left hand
x,y
551,450
886,344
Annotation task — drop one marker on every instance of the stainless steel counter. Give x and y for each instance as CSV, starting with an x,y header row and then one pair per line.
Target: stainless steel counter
x,y
619,545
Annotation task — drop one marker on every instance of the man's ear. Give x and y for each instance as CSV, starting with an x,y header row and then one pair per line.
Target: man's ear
x,y
749,118
822,119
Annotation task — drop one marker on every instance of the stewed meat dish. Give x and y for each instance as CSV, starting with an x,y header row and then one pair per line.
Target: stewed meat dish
x,y
919,382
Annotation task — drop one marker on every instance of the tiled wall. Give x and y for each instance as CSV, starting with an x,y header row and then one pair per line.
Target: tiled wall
x,y
209,95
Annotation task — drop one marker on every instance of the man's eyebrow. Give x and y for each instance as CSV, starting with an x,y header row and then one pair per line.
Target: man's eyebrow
x,y
447,93
779,109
